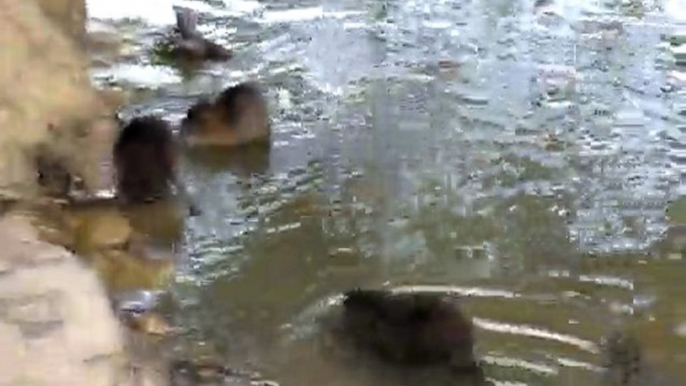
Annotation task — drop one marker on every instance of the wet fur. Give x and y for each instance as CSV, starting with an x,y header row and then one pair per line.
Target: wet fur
x,y
409,328
144,157
238,116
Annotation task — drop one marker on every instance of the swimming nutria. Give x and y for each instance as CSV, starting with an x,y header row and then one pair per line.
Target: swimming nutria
x,y
622,358
238,116
189,44
410,328
626,364
145,162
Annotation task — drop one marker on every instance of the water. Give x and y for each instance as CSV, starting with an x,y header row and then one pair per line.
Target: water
x,y
524,157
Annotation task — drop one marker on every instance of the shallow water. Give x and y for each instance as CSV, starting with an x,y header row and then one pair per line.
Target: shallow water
x,y
529,158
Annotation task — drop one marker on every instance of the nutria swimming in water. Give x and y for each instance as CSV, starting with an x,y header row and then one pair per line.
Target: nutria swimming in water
x,y
625,364
238,116
411,329
145,162
189,44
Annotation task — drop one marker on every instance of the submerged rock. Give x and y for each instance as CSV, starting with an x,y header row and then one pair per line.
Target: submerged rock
x,y
199,373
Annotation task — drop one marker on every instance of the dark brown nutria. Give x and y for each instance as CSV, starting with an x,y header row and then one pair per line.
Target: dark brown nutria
x,y
238,116
145,157
410,328
190,45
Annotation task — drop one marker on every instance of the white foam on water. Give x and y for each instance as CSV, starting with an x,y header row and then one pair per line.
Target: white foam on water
x,y
161,12
243,6
157,12
140,75
302,14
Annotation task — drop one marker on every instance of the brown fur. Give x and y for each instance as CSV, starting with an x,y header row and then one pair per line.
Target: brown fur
x,y
145,160
409,328
238,116
190,46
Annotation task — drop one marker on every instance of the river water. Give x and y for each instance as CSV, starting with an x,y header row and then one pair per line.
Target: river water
x,y
527,156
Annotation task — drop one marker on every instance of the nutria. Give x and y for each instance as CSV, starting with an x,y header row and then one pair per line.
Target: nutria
x,y
145,162
189,45
410,329
238,116
625,364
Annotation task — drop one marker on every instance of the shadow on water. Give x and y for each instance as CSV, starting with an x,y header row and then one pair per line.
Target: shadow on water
x,y
242,162
529,158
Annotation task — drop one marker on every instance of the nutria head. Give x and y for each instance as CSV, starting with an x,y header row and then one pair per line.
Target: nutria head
x,y
409,328
238,116
144,157
622,357
190,45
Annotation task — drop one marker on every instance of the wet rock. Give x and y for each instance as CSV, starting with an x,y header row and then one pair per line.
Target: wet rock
x,y
238,116
123,271
98,230
192,373
15,360
149,323
410,329
137,309
55,324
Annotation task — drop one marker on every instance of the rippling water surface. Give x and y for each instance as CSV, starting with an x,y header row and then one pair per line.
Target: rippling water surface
x,y
528,157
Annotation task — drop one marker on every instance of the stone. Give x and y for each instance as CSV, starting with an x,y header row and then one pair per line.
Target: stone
x,y
55,318
103,229
32,309
21,245
12,355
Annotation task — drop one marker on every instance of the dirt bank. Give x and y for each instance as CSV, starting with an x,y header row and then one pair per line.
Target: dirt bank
x,y
56,323
46,97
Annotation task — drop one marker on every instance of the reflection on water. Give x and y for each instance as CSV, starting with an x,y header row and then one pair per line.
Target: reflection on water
x,y
521,155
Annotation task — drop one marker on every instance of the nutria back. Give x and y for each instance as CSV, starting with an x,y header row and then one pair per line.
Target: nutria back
x,y
144,160
625,364
244,107
190,45
238,116
409,328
